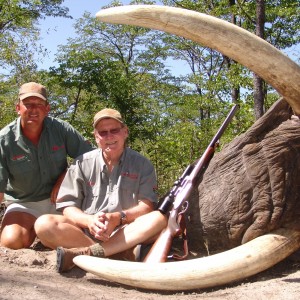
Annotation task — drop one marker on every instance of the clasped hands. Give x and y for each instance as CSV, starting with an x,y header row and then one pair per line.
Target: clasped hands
x,y
102,225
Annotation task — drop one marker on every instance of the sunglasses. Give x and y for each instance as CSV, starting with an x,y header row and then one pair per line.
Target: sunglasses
x,y
105,133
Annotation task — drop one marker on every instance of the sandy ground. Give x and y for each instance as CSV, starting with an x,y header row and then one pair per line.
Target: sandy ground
x,y
31,274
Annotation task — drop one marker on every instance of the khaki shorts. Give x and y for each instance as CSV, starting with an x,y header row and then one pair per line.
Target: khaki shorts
x,y
34,208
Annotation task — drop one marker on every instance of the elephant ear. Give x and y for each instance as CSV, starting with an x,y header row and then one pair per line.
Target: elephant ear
x,y
279,112
235,42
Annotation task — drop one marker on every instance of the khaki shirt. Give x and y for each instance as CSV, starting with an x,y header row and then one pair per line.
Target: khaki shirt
x,y
29,172
89,186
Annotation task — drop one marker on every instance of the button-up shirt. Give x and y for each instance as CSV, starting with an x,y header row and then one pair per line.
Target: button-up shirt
x,y
89,186
29,172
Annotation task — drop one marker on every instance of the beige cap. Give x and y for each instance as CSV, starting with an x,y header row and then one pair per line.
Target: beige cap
x,y
32,89
107,113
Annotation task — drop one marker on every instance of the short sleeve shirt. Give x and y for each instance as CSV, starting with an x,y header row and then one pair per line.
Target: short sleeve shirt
x,y
29,172
88,185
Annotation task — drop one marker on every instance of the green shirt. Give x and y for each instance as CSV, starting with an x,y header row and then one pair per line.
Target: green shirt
x,y
89,186
29,172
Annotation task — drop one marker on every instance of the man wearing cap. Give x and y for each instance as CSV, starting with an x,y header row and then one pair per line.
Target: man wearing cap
x,y
105,197
33,155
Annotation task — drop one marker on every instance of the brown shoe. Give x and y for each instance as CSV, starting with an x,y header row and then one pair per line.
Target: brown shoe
x,y
64,257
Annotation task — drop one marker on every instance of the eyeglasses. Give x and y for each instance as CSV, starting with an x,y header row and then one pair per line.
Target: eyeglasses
x,y
105,133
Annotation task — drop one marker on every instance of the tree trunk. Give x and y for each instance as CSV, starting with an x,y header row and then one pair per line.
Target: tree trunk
x,y
258,83
235,91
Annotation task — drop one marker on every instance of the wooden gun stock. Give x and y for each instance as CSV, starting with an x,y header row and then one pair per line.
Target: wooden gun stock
x,y
160,250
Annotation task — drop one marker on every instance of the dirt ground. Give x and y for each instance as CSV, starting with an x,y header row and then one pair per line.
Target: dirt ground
x,y
30,274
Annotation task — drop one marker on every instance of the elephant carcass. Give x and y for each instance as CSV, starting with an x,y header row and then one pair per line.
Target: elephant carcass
x,y
250,187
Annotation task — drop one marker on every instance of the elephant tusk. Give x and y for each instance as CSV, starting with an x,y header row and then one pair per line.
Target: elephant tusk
x,y
219,269
239,44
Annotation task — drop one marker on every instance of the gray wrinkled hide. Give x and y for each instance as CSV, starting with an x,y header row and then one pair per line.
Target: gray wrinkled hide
x,y
251,187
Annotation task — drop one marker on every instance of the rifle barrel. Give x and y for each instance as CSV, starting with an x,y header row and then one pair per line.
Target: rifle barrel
x,y
223,126
179,193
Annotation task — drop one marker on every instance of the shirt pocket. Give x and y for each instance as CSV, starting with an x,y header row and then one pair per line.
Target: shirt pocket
x,y
129,191
21,171
93,201
20,165
58,157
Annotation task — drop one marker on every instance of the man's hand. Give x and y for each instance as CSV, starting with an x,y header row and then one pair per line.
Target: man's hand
x,y
56,187
103,225
98,226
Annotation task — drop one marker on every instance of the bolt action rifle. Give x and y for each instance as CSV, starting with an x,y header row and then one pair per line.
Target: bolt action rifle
x,y
175,203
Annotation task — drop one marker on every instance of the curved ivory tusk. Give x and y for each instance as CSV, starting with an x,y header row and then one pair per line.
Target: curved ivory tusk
x,y
237,43
232,265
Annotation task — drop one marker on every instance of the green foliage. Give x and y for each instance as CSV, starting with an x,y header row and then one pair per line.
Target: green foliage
x,y
19,33
8,98
171,117
108,66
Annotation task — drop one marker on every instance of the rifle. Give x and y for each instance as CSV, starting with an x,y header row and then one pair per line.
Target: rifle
x,y
175,203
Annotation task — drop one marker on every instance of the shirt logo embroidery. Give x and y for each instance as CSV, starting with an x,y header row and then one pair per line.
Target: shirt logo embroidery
x,y
56,148
18,157
131,176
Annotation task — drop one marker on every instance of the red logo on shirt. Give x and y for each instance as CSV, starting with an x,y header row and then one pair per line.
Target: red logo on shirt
x,y
131,176
56,148
18,157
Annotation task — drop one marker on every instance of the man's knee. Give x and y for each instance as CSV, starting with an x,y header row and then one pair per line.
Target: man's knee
x,y
44,222
10,241
14,237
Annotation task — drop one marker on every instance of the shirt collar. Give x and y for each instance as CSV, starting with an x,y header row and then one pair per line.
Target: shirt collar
x,y
103,164
19,131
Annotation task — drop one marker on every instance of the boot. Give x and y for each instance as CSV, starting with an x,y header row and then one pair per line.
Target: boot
x,y
64,258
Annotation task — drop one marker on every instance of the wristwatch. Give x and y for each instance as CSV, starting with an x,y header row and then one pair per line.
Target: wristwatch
x,y
123,218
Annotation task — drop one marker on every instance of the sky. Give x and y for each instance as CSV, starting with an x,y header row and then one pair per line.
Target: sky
x,y
56,31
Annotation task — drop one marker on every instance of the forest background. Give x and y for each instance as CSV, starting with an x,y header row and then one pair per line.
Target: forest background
x,y
171,117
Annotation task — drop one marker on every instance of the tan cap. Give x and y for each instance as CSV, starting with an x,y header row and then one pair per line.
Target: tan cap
x,y
107,113
32,89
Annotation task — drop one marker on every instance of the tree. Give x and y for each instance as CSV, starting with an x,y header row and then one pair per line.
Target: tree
x,y
277,21
122,67
19,32
108,63
19,36
258,83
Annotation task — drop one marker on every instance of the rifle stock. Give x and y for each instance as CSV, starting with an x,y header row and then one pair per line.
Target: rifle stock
x,y
178,195
161,248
